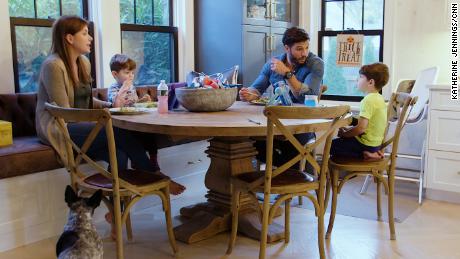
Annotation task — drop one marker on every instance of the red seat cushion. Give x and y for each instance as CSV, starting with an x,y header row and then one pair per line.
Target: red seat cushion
x,y
286,178
135,177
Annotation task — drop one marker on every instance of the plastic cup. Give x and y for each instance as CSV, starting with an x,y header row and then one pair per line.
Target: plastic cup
x,y
311,100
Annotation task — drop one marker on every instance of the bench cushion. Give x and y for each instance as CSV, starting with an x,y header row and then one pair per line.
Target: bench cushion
x,y
27,155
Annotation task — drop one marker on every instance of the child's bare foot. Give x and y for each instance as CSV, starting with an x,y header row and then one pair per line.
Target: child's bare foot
x,y
176,188
372,156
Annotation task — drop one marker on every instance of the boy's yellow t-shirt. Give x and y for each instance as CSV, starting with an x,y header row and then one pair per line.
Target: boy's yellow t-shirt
x,y
374,109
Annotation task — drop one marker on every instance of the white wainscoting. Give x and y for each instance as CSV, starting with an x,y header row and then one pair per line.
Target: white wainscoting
x,y
33,208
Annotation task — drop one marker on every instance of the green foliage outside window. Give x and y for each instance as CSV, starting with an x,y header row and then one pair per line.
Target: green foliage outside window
x,y
45,8
33,42
144,10
152,51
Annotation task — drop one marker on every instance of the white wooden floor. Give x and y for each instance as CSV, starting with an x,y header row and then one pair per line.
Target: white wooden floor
x,y
432,231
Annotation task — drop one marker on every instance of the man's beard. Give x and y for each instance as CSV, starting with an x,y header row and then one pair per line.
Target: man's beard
x,y
297,61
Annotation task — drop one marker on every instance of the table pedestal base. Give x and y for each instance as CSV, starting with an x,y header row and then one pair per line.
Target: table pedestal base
x,y
229,156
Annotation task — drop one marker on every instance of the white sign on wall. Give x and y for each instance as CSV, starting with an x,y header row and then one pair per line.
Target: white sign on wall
x,y
349,50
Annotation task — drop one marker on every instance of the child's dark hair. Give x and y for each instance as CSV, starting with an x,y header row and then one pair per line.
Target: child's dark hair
x,y
294,35
121,61
377,71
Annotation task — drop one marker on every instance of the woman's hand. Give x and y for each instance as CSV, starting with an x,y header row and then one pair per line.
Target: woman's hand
x,y
247,94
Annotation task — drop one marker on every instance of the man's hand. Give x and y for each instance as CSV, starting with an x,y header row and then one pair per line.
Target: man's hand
x,y
279,67
247,94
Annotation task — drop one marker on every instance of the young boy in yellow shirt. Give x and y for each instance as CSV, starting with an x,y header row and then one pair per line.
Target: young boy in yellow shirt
x,y
364,140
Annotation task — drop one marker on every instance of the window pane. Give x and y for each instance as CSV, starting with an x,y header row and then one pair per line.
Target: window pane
x,y
152,52
353,14
127,11
373,14
161,12
32,47
47,9
343,80
334,16
144,12
72,7
21,8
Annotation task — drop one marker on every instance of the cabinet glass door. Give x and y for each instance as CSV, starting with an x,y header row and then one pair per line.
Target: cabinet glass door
x,y
283,13
282,10
256,12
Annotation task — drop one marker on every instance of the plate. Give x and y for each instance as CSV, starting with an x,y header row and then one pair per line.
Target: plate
x,y
146,105
128,111
260,101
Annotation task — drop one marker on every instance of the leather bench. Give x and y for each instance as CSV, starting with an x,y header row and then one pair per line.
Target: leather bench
x,y
28,155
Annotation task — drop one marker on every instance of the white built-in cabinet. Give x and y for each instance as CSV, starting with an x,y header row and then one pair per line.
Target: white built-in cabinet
x,y
443,149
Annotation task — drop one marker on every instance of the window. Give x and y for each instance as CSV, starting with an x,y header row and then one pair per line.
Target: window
x,y
31,22
148,37
349,17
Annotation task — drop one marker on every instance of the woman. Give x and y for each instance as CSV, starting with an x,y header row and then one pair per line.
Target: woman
x,y
65,79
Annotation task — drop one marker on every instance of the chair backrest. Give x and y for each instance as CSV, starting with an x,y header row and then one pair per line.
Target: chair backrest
x,y
399,109
76,154
328,119
424,78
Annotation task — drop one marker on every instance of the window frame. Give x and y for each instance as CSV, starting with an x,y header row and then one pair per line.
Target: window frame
x,y
331,33
161,29
39,22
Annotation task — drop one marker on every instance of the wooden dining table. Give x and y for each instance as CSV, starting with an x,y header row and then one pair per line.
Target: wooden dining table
x,y
231,152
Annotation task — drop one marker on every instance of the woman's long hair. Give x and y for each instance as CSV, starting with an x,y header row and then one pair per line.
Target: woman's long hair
x,y
61,27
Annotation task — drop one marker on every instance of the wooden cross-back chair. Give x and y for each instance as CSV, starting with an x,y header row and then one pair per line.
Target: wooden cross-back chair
x,y
286,182
124,188
398,108
302,164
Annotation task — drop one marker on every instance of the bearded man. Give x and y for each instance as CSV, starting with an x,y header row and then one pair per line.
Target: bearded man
x,y
302,71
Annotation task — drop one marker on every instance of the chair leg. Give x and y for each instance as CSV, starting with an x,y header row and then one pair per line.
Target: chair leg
x,y
235,211
263,233
420,188
335,183
391,219
169,226
421,175
287,216
117,223
300,200
322,254
379,194
328,193
129,229
365,184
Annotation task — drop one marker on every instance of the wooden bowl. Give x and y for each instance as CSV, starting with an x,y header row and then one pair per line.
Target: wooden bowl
x,y
205,99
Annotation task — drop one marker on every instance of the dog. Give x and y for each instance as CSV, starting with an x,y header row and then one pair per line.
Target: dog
x,y
80,238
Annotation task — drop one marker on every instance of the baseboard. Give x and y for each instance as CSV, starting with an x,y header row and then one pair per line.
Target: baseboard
x,y
439,195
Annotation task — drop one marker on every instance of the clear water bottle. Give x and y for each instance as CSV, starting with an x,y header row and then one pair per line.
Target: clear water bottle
x,y
162,95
